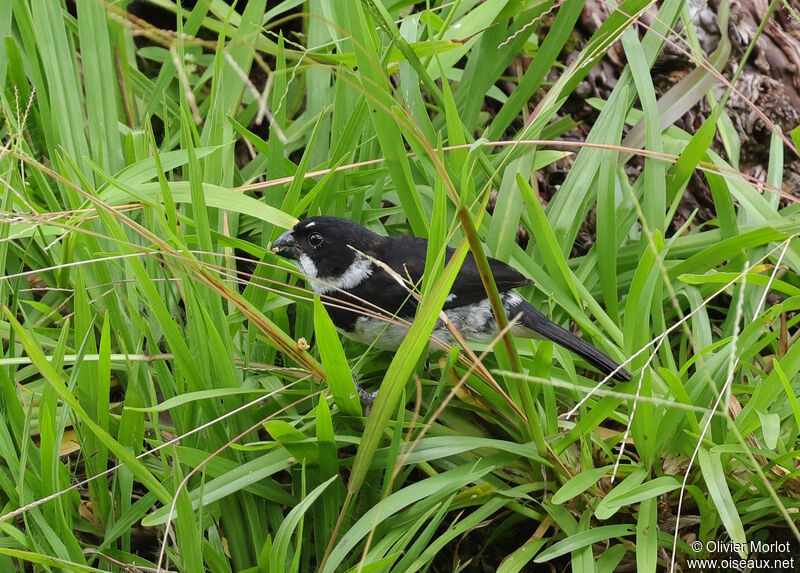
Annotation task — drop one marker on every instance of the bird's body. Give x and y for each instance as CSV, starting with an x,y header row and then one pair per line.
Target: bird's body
x,y
346,265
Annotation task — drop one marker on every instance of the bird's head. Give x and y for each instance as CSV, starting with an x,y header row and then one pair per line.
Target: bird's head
x,y
326,248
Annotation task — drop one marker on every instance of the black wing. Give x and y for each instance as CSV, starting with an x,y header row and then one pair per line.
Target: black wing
x,y
406,255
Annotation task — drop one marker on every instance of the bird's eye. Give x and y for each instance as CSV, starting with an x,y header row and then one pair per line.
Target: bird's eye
x,y
315,239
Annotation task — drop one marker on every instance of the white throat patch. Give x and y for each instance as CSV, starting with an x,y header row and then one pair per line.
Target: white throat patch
x,y
359,270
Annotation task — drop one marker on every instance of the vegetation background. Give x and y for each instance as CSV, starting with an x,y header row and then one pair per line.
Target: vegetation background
x,y
174,398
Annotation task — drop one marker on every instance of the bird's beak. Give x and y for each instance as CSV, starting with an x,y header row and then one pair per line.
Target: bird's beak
x,y
286,246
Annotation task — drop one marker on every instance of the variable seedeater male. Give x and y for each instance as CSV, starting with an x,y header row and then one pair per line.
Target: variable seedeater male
x,y
346,264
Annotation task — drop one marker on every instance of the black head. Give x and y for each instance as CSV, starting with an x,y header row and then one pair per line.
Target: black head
x,y
322,245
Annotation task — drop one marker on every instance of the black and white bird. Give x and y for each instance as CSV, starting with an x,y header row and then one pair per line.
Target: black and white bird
x,y
346,264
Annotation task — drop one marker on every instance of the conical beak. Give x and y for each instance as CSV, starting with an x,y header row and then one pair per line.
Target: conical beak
x,y
285,246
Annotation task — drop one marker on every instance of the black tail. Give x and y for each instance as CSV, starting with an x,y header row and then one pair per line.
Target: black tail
x,y
539,323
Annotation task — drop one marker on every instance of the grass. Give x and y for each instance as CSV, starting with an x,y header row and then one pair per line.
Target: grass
x,y
174,397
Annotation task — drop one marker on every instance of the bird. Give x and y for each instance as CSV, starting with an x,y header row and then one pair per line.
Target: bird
x,y
355,273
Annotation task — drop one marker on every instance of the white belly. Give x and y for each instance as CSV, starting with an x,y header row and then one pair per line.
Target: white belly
x,y
474,322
